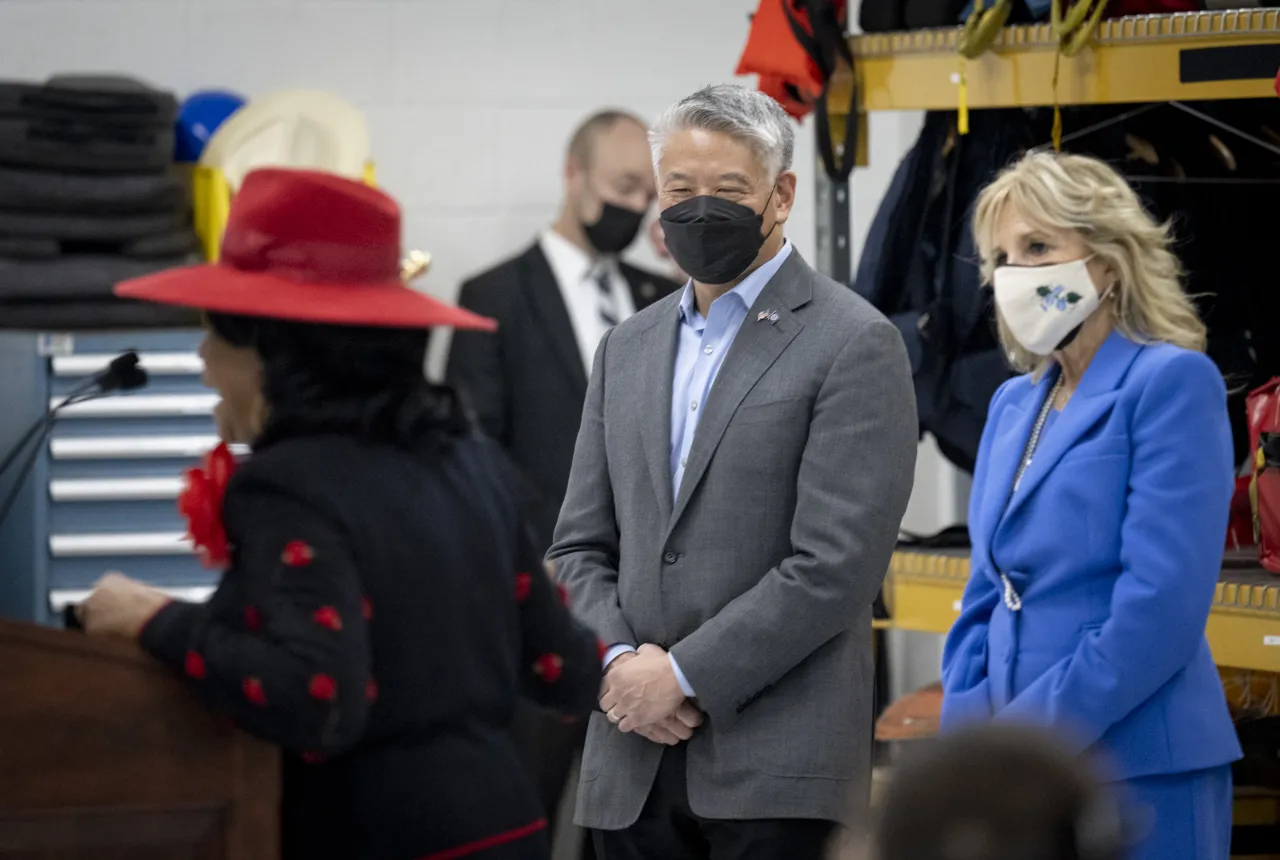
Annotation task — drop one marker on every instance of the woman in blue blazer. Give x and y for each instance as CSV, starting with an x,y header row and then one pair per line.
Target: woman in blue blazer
x,y
1099,506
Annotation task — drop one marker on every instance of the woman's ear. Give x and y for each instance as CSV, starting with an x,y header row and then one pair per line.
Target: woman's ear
x,y
1104,274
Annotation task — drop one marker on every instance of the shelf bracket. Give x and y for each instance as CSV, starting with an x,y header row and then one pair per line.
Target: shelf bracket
x,y
832,224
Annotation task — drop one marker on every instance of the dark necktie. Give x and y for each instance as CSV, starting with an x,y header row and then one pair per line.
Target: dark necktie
x,y
605,304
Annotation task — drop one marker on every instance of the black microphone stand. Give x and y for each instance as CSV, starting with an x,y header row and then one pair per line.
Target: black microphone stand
x,y
39,432
121,374
43,421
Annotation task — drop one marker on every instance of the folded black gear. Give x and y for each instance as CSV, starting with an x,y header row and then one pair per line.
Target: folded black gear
x,y
79,131
90,228
116,98
78,147
25,248
169,245
74,278
105,314
120,194
176,243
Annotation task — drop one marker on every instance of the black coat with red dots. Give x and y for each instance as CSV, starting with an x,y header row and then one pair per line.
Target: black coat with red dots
x,y
381,615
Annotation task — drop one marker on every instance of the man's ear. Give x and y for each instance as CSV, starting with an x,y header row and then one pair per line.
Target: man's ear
x,y
573,170
784,195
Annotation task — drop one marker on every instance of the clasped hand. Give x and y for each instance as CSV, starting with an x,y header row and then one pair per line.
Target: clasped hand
x,y
641,694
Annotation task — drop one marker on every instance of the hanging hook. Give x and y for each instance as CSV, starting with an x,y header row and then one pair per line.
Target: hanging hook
x,y
1226,127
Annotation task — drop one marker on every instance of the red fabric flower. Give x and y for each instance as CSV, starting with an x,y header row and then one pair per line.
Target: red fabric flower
x,y
366,608
194,665
524,583
201,503
548,666
297,554
327,616
252,618
371,689
253,691
323,687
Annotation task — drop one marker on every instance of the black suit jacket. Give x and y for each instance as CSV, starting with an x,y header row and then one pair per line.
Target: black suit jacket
x,y
526,383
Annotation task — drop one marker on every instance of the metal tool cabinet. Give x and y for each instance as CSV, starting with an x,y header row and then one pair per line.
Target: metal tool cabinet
x,y
103,493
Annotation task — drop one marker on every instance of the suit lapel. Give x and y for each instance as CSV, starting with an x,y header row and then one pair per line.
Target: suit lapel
x,y
1091,402
644,289
1011,436
755,348
659,349
551,316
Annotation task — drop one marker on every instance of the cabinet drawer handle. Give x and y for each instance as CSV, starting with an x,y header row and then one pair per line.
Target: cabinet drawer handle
x,y
125,543
114,489
136,447
140,406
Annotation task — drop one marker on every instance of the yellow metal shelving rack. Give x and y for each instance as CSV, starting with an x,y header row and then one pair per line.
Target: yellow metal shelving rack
x,y
1150,58
1147,58
923,593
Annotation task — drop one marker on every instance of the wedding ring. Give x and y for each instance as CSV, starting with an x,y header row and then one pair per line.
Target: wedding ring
x,y
611,717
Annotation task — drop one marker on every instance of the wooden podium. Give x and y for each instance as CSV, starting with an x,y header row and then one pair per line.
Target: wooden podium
x,y
104,755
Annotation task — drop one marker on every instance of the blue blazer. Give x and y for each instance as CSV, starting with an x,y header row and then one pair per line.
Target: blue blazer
x,y
1114,543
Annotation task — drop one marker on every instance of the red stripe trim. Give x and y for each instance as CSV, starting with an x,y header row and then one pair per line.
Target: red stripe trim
x,y
488,842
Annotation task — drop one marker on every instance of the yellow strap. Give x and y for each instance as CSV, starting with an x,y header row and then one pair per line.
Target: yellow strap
x,y
1057,111
962,108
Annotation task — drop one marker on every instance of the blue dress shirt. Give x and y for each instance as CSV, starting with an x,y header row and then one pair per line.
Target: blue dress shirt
x,y
703,344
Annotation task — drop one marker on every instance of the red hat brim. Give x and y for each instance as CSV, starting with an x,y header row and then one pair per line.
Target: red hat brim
x,y
222,289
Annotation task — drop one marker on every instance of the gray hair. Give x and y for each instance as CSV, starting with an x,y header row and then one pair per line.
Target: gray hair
x,y
749,116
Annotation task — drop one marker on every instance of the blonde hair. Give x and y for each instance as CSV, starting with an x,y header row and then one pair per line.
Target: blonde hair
x,y
1055,191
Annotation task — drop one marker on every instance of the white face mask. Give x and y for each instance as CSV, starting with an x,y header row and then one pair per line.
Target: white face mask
x,y
1043,305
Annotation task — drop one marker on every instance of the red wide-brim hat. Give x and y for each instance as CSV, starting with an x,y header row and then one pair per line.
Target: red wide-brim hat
x,y
306,246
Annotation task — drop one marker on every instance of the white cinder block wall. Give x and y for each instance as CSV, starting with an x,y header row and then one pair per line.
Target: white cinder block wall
x,y
470,104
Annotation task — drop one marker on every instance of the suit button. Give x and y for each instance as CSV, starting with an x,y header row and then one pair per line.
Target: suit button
x,y
670,557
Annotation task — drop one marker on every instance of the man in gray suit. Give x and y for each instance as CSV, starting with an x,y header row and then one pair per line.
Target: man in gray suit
x,y
746,453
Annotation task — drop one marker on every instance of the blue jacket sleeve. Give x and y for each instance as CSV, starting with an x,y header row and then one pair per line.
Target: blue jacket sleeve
x,y
1172,536
965,688
966,695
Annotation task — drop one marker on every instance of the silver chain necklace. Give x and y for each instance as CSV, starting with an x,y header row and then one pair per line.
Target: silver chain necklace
x,y
1034,440
1011,597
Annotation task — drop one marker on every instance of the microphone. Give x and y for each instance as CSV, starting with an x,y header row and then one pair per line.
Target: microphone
x,y
123,373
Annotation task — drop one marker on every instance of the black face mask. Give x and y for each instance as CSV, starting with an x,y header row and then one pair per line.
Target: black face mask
x,y
712,239
614,230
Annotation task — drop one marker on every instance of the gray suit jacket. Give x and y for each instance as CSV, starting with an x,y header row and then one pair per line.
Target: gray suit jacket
x,y
760,578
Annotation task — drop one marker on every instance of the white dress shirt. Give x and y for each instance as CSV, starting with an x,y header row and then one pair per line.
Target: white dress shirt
x,y
576,274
